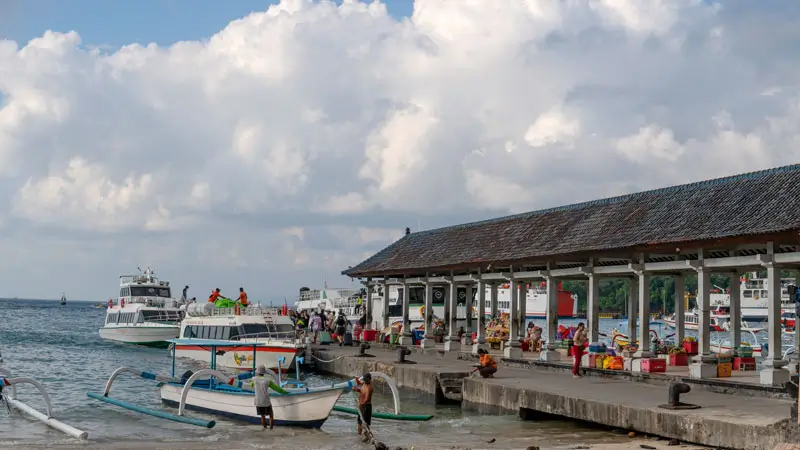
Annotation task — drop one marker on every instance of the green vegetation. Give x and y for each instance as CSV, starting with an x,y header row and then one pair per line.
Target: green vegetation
x,y
614,292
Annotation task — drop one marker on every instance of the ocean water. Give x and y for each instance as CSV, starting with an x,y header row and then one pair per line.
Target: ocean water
x,y
60,346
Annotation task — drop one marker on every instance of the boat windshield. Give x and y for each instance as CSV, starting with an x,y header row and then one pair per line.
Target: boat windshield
x,y
161,315
150,291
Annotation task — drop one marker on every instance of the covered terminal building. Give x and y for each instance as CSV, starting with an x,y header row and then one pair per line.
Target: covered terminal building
x,y
729,226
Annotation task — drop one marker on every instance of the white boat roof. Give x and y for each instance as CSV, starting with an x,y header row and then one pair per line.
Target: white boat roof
x,y
215,342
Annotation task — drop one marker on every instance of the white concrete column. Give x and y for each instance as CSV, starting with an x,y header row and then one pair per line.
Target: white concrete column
x,y
679,287
633,295
452,344
481,337
774,372
429,340
593,308
386,319
405,335
703,365
549,353
468,314
523,307
644,316
493,299
369,305
736,310
512,348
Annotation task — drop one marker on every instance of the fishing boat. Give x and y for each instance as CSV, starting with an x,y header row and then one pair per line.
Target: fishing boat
x,y
213,392
63,299
724,345
719,320
239,328
145,312
620,339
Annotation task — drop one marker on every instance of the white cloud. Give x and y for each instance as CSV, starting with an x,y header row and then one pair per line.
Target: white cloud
x,y
334,120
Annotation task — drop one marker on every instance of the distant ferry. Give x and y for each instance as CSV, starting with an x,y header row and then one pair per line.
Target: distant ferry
x,y
754,296
63,299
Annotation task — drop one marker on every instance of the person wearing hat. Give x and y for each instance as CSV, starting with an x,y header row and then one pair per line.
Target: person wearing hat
x,y
487,367
365,401
262,402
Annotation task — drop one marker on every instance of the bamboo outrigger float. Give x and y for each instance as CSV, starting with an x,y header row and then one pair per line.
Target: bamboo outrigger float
x,y
47,418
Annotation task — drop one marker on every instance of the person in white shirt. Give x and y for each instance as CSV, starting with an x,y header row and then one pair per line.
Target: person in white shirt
x,y
262,402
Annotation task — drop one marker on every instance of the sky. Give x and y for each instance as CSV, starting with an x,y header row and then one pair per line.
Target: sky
x,y
271,145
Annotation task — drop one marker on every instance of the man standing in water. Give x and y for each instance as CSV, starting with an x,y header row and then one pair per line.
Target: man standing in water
x,y
365,402
262,402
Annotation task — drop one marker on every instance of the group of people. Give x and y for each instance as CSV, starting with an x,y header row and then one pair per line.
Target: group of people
x,y
487,367
215,295
320,321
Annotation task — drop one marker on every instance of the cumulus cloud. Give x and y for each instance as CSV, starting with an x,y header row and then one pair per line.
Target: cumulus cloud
x,y
251,153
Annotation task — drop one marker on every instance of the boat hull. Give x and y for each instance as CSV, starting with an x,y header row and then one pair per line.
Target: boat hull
x,y
241,357
141,335
305,410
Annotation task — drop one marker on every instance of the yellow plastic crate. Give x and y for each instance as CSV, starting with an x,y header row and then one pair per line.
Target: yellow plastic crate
x,y
724,370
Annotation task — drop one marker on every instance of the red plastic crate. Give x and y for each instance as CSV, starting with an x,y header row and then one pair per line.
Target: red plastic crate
x,y
679,359
691,347
654,365
370,335
746,363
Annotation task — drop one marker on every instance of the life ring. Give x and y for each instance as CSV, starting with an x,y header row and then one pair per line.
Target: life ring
x,y
422,310
110,303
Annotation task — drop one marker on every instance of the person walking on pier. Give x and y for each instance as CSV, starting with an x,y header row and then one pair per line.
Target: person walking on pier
x,y
578,341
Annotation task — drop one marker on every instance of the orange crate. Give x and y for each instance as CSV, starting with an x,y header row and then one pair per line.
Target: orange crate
x,y
724,370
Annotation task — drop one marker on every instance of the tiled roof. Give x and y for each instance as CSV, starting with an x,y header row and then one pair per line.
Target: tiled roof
x,y
749,204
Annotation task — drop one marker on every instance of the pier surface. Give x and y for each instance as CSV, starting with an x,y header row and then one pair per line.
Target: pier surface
x,y
724,420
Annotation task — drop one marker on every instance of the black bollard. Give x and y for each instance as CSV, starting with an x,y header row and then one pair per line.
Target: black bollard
x,y
362,351
675,391
402,352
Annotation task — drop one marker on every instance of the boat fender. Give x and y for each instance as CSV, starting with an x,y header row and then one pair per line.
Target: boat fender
x,y
122,303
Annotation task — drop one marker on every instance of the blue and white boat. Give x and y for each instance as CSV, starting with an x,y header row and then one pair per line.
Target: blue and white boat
x,y
212,392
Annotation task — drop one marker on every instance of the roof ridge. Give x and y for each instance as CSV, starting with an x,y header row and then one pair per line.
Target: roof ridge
x,y
619,198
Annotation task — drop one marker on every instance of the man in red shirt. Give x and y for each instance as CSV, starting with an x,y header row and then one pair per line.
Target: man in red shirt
x,y
215,295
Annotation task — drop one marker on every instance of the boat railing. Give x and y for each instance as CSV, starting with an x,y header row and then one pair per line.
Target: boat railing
x,y
287,336
170,317
267,312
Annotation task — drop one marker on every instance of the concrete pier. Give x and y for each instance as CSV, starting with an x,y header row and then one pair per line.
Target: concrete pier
x,y
724,420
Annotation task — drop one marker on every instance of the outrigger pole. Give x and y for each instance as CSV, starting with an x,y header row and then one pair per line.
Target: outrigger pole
x,y
141,409
48,418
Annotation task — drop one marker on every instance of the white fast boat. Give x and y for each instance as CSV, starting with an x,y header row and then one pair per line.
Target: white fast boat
x,y
252,325
145,312
332,299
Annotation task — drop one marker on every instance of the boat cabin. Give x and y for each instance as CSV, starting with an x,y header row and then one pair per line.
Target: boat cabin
x,y
144,315
236,332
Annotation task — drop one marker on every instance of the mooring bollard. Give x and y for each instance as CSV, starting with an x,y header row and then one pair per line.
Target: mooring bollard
x,y
402,352
674,397
362,351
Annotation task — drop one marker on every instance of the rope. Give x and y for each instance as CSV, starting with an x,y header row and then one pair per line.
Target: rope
x,y
328,361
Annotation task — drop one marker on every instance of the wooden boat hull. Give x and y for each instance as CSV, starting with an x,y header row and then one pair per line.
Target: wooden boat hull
x,y
301,409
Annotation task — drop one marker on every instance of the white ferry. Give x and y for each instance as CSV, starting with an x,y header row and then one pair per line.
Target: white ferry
x,y
351,301
719,320
754,295
254,324
145,312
